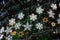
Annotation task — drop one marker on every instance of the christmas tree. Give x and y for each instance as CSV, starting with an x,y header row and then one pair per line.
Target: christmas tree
x,y
29,19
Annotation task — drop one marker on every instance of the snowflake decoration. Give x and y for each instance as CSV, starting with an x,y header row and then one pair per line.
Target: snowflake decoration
x,y
58,20
8,30
59,15
1,36
27,26
51,14
54,6
39,26
12,22
39,10
33,17
9,37
2,30
21,15
17,25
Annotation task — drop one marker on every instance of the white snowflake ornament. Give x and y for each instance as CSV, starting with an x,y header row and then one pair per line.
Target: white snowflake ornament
x,y
1,36
54,6
51,14
39,26
59,15
17,25
39,10
27,26
8,30
21,15
58,20
2,30
9,37
33,17
12,22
